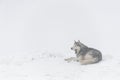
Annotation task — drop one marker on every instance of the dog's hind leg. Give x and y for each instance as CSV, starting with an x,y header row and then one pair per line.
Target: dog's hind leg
x,y
87,61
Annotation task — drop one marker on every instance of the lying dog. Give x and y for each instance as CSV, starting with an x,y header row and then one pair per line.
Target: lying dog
x,y
84,54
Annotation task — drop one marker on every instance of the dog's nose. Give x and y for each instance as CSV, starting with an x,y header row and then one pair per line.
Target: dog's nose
x,y
71,48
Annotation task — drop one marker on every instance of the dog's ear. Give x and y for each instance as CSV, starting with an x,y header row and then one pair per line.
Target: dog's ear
x,y
79,41
74,41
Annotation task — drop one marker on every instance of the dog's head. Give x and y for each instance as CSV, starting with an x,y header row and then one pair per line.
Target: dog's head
x,y
76,47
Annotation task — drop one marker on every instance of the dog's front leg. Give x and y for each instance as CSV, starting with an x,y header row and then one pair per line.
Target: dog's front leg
x,y
76,59
71,59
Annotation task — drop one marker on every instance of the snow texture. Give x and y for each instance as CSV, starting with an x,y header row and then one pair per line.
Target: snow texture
x,y
37,66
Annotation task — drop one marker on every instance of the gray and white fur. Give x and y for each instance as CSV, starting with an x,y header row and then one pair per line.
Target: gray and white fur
x,y
84,54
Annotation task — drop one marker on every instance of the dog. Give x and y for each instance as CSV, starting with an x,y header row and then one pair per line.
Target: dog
x,y
84,54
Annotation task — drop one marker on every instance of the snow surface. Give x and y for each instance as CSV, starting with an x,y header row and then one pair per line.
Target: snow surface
x,y
48,66
36,36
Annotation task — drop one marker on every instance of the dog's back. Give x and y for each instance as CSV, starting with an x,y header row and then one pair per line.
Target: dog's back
x,y
96,55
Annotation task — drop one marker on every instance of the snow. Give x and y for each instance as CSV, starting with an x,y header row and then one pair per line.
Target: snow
x,y
53,67
36,36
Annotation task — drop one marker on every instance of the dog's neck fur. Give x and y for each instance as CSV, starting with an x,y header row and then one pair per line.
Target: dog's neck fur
x,y
77,51
82,50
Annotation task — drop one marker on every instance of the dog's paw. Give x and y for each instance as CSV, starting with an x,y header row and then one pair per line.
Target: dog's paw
x,y
68,60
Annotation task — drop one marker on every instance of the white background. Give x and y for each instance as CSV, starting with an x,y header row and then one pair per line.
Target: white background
x,y
52,25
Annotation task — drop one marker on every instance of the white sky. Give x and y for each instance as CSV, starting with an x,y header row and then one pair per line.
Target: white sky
x,y
52,25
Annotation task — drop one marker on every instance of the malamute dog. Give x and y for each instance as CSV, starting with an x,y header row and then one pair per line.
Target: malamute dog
x,y
84,54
